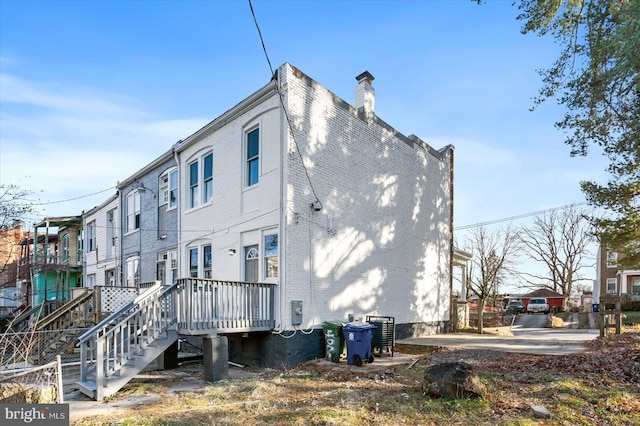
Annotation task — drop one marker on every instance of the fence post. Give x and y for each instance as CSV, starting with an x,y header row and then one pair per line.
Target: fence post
x,y
59,374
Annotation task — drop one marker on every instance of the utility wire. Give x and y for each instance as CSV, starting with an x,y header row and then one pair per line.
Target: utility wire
x,y
293,136
37,203
521,216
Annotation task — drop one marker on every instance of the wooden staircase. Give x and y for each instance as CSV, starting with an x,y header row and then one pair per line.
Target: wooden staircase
x,y
118,348
59,331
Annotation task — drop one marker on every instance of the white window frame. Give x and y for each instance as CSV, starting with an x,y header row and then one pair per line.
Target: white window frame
x,y
634,282
612,259
132,212
173,265
65,247
269,257
194,270
202,268
194,199
111,236
173,188
614,282
132,270
91,280
163,189
91,236
249,160
200,188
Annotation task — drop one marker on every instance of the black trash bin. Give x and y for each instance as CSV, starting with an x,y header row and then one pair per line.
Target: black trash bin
x,y
383,336
334,340
358,339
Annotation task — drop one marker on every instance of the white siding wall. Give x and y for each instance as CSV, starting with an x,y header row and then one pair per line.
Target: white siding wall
x,y
96,262
380,245
237,215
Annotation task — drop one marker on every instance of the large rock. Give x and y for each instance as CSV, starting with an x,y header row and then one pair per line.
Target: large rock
x,y
452,380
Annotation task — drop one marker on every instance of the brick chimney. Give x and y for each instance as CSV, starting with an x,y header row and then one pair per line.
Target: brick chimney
x,y
365,93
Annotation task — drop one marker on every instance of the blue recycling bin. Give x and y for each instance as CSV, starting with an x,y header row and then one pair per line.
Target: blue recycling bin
x,y
358,340
595,307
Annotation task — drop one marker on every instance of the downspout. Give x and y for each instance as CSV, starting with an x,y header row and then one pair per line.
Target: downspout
x,y
120,227
176,158
452,309
284,146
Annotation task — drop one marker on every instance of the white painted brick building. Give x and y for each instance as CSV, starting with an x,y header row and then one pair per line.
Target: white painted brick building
x,y
345,214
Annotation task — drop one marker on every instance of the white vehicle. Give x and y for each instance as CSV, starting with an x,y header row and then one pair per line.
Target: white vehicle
x,y
538,304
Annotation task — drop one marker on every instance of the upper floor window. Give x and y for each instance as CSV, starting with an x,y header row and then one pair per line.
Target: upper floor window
x,y
193,184
612,259
253,157
91,236
111,236
207,191
271,256
132,211
65,248
173,188
163,189
201,181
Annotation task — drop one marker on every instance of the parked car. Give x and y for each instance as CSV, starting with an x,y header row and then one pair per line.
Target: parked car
x,y
515,306
539,304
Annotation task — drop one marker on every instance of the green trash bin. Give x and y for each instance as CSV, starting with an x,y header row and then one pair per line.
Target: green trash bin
x,y
334,340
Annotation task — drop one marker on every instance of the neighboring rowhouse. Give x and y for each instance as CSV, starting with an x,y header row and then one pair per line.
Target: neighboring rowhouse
x,y
149,218
347,216
611,281
101,244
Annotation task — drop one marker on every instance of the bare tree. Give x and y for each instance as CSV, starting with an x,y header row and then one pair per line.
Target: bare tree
x,y
559,240
13,208
493,255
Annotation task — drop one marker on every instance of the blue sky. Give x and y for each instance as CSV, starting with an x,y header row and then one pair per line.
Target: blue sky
x,y
91,91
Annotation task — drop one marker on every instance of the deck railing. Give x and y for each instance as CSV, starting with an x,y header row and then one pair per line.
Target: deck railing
x,y
224,306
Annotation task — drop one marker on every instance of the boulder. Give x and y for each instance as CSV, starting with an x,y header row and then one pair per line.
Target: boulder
x,y
452,380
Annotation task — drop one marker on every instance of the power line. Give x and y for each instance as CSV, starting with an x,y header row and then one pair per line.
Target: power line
x,y
521,216
36,203
286,114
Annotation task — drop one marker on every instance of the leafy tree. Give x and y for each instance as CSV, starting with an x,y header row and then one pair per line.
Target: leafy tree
x,y
559,240
596,77
493,256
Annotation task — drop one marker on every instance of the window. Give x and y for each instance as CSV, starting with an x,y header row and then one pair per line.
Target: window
x,y
91,280
110,277
65,248
193,184
635,284
612,285
206,260
173,188
612,259
207,192
253,156
161,267
163,189
193,263
271,256
173,264
133,271
91,236
132,212
111,237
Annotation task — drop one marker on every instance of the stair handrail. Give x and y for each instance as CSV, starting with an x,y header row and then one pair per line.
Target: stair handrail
x,y
63,310
131,307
